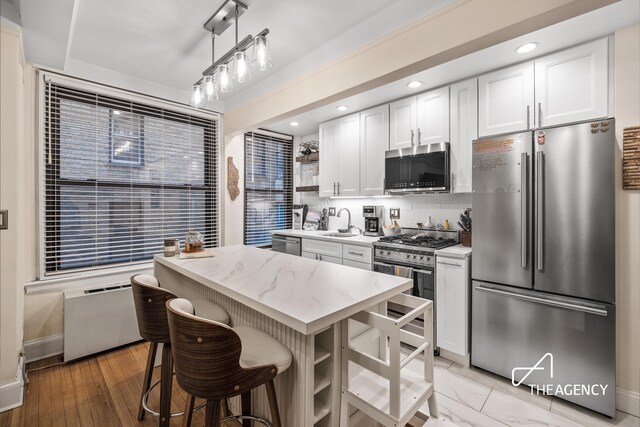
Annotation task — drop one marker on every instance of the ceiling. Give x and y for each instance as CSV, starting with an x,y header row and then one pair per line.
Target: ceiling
x,y
583,28
163,41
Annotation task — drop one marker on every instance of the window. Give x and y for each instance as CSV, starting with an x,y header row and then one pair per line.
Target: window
x,y
121,175
125,138
268,187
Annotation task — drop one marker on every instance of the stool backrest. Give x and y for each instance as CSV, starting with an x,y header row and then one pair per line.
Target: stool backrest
x,y
150,299
206,355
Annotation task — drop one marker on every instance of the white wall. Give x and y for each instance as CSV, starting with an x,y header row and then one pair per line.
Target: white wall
x,y
16,188
627,228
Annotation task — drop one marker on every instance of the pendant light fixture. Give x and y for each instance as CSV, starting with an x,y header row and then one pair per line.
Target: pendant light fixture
x,y
261,56
235,64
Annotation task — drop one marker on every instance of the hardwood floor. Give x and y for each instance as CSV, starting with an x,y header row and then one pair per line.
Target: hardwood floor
x,y
97,391
100,391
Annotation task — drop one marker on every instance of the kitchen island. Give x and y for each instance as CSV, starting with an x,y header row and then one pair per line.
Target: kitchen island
x,y
298,301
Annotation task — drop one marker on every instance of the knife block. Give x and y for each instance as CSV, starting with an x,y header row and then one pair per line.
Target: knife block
x,y
465,237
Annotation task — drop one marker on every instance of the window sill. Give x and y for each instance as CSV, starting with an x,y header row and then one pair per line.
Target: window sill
x,y
85,279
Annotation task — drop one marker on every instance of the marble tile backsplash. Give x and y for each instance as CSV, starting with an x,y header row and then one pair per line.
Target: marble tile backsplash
x,y
413,208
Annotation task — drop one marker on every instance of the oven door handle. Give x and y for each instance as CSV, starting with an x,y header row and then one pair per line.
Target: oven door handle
x,y
423,271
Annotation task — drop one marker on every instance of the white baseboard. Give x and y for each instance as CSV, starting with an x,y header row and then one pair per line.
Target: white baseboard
x,y
12,393
628,401
42,348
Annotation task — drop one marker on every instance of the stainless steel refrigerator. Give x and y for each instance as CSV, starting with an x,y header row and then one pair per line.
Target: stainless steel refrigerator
x,y
543,264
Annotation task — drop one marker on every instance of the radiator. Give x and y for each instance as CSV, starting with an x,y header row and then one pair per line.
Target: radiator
x,y
98,319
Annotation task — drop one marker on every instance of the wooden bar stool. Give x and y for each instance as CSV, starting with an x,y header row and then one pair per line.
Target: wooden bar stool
x,y
216,362
150,299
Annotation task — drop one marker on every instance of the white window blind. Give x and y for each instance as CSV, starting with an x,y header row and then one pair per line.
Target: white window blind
x,y
268,187
120,176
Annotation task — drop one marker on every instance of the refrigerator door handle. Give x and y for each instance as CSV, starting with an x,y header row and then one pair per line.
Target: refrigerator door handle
x,y
524,195
552,303
540,208
528,117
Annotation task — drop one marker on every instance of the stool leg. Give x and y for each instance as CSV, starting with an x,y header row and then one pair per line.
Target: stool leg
x,y
212,417
166,380
273,403
148,374
190,401
246,407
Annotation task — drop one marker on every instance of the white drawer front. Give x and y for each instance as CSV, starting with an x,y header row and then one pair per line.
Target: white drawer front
x,y
356,264
356,253
322,247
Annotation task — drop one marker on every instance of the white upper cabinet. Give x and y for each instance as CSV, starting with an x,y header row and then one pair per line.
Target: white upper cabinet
x,y
329,132
348,156
433,117
402,121
571,85
506,100
464,129
374,141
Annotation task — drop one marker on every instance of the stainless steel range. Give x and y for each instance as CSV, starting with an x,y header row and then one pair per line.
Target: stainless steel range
x,y
412,255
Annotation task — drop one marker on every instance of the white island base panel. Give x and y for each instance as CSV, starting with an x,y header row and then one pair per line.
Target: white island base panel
x,y
309,391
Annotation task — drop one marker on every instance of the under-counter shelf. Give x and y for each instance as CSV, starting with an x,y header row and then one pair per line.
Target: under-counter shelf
x,y
320,410
308,188
320,354
321,382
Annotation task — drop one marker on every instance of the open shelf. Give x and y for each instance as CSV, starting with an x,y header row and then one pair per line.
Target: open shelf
x,y
320,409
308,188
320,354
320,383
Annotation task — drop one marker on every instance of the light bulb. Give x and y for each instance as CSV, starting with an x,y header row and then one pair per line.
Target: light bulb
x,y
527,47
261,55
210,88
197,95
241,71
224,79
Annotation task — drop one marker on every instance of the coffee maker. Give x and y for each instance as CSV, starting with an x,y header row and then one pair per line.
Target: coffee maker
x,y
372,220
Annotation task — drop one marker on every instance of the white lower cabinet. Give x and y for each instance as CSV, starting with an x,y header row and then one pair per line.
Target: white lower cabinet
x,y
452,299
320,257
337,253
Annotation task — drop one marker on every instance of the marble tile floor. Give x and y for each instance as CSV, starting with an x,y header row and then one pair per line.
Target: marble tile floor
x,y
470,397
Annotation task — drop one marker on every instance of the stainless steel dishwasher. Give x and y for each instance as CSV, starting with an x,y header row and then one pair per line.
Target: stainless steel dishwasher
x,y
286,244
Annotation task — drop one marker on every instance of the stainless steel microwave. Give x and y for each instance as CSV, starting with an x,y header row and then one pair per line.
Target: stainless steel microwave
x,y
418,169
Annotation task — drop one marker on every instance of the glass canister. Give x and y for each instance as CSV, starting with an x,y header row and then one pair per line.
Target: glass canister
x,y
171,247
193,242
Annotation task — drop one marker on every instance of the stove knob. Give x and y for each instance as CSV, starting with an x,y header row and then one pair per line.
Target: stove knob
x,y
421,258
388,253
408,256
415,257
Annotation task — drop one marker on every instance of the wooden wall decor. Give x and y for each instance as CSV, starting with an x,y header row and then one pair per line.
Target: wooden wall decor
x,y
233,176
631,158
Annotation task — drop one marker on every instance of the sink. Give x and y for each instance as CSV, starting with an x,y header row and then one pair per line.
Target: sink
x,y
338,234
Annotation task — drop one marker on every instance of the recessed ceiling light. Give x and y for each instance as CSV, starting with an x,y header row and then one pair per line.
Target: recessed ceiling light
x,y
414,84
341,107
294,123
527,47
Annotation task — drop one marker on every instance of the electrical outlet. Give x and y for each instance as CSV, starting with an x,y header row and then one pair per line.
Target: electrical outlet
x,y
394,213
332,211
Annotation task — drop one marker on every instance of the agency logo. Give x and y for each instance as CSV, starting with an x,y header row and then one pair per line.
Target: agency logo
x,y
519,375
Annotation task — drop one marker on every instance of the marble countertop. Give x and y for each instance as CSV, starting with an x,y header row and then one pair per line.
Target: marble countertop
x,y
304,294
457,251
322,235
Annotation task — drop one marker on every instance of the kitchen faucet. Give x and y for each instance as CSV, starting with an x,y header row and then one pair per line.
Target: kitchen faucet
x,y
349,226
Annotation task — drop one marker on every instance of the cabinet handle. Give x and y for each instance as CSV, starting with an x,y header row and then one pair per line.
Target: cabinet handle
x,y
355,253
450,263
316,257
320,257
453,182
334,188
412,137
528,117
539,114
418,136
338,189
